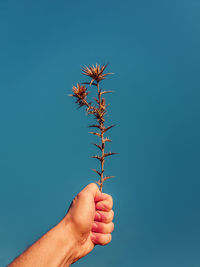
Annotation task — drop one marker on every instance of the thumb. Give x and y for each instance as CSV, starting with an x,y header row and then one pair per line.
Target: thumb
x,y
93,191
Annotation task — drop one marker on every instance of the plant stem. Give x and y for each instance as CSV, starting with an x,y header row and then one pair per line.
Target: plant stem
x,y
101,124
102,162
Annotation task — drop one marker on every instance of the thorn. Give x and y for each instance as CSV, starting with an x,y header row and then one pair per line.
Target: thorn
x,y
96,100
106,140
94,125
100,147
108,128
98,134
97,157
97,172
98,182
106,92
109,154
107,177
90,84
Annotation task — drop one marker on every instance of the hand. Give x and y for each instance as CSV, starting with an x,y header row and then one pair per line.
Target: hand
x,y
89,219
88,222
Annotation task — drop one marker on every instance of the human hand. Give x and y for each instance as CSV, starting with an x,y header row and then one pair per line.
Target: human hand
x,y
89,220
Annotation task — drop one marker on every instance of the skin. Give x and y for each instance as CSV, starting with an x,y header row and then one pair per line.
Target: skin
x,y
87,223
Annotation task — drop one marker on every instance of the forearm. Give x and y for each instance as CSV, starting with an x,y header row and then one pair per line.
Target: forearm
x,y
55,248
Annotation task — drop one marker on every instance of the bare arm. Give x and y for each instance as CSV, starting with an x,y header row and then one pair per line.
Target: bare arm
x,y
87,222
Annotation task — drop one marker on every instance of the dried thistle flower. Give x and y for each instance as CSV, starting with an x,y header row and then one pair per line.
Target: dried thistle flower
x,y
80,93
98,109
96,73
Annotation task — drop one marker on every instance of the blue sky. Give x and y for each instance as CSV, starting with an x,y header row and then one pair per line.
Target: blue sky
x,y
153,49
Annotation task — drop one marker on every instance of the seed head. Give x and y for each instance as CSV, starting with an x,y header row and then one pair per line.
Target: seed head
x,y
96,73
80,93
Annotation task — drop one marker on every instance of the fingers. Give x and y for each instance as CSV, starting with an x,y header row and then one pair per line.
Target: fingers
x,y
104,216
101,239
104,228
103,201
102,196
105,205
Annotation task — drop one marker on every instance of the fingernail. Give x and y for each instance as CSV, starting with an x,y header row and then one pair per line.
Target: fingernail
x,y
99,206
97,216
94,227
93,237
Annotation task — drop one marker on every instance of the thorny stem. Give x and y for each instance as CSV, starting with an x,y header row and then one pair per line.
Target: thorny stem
x,y
101,124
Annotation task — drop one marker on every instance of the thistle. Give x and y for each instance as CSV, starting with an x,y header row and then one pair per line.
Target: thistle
x,y
98,109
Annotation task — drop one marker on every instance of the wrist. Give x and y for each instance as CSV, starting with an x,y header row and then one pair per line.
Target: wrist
x,y
68,242
55,248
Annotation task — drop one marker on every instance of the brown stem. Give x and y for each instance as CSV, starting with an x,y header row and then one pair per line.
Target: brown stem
x,y
101,124
102,162
87,104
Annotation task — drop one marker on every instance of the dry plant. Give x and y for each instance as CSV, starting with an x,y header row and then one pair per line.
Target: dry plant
x,y
98,109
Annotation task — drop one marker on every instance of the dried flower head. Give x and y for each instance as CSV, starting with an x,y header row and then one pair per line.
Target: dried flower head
x,y
96,73
80,93
98,110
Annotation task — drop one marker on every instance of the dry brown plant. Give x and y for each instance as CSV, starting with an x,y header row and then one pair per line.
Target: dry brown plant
x,y
98,109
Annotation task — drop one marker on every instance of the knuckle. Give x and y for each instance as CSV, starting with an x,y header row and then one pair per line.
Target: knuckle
x,y
112,211
74,200
107,205
110,199
107,228
100,205
103,228
110,205
110,216
112,226
105,239
109,238
80,194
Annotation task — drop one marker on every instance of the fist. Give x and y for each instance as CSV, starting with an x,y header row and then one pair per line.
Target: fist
x,y
90,218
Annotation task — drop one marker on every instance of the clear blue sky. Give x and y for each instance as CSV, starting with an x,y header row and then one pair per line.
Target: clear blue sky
x,y
153,49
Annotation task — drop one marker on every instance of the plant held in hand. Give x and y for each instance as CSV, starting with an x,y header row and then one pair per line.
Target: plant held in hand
x,y
98,109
